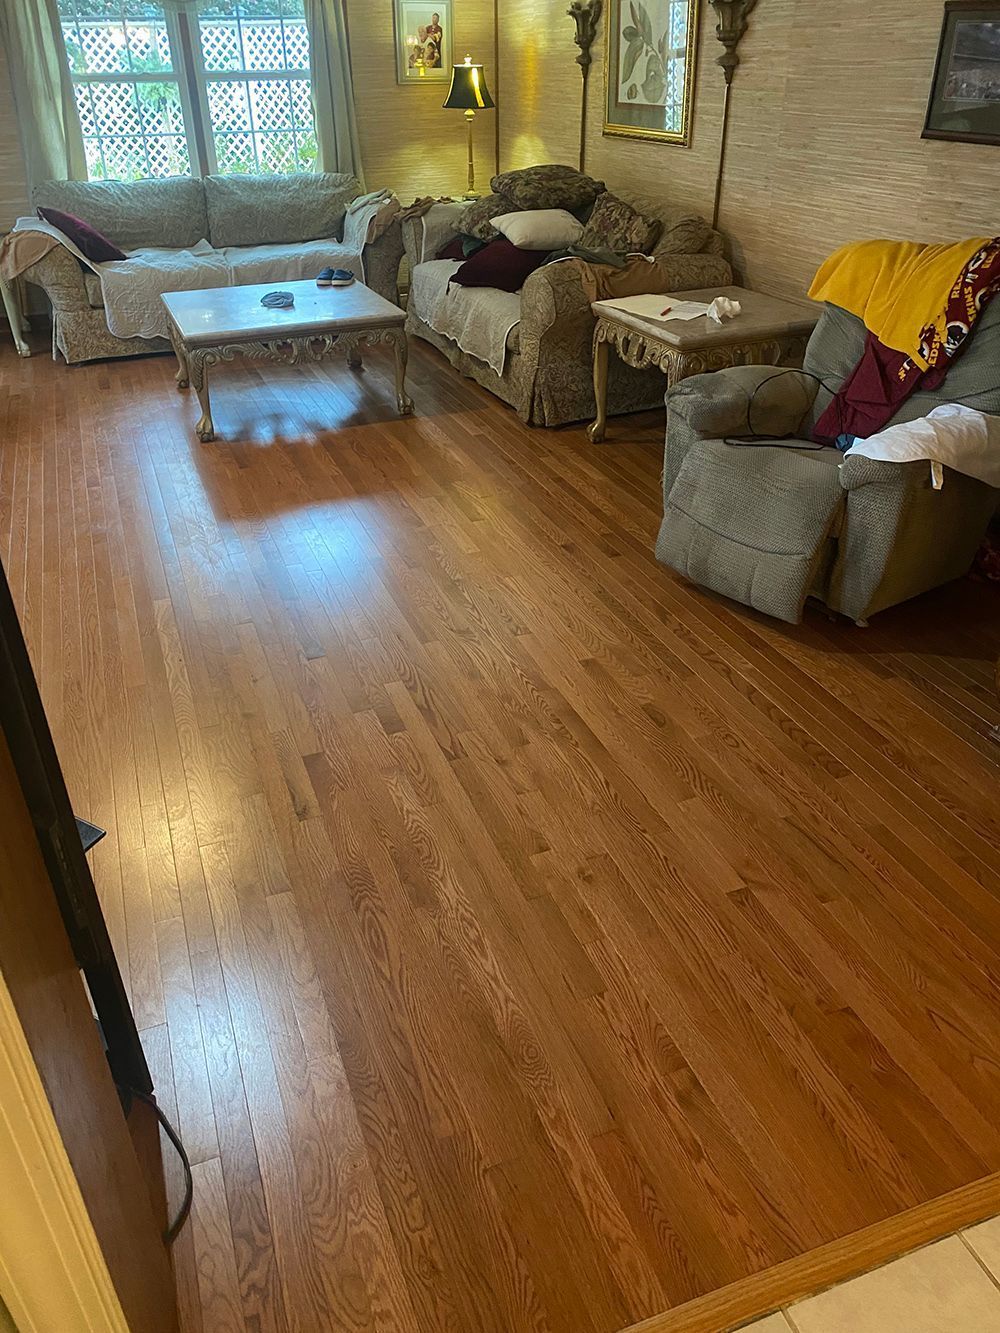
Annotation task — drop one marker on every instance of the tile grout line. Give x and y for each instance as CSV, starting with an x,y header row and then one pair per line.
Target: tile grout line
x,y
982,1264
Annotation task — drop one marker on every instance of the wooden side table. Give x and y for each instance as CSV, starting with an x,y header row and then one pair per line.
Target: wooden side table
x,y
768,331
14,310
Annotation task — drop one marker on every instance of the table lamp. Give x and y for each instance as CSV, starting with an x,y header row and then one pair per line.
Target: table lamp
x,y
469,93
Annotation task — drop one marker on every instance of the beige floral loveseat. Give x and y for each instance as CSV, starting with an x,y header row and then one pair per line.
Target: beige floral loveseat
x,y
268,228
547,374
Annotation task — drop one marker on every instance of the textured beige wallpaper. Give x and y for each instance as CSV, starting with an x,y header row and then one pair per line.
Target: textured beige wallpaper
x,y
408,141
825,140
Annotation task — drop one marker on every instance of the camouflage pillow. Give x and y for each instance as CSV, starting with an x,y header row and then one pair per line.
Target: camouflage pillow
x,y
615,225
685,236
475,221
548,187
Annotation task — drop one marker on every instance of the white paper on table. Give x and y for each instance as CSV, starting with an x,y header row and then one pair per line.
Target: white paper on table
x,y
652,307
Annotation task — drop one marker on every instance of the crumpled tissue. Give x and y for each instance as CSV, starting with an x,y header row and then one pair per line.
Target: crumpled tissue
x,y
723,308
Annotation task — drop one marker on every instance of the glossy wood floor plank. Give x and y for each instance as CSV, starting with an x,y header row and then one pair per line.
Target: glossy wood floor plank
x,y
522,939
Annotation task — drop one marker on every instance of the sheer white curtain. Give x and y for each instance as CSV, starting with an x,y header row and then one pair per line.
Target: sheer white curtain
x,y
333,88
47,119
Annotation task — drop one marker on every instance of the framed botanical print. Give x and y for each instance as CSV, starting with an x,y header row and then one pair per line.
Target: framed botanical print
x,y
423,41
649,56
965,93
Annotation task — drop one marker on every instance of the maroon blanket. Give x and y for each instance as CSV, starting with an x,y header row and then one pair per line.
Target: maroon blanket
x,y
883,379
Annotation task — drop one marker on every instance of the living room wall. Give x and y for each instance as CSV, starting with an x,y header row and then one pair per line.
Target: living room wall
x,y
824,145
408,141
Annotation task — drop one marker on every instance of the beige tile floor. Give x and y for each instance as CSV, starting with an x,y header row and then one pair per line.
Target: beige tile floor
x,y
952,1286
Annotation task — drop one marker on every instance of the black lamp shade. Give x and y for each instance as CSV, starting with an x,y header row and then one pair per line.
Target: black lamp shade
x,y
468,91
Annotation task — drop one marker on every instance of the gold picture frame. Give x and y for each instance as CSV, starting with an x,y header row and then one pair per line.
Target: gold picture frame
x,y
641,69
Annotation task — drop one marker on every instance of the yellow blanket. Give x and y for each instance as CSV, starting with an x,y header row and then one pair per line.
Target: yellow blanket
x,y
897,288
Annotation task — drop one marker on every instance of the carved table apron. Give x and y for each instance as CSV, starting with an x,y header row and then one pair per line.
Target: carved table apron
x,y
642,350
193,362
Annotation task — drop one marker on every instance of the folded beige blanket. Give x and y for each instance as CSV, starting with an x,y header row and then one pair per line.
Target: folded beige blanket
x,y
21,249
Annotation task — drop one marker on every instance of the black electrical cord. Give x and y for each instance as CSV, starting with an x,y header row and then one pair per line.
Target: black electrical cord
x,y
753,435
172,1231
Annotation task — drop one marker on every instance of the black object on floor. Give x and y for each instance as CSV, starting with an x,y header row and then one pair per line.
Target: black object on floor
x,y
89,833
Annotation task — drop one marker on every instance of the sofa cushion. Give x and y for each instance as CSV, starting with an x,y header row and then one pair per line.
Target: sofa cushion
x,y
478,217
547,186
91,243
616,225
134,215
277,210
501,265
539,228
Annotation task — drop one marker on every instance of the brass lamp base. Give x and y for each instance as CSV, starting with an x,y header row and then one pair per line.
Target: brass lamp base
x,y
471,192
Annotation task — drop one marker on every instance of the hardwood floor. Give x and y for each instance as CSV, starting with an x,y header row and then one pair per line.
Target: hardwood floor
x,y
521,938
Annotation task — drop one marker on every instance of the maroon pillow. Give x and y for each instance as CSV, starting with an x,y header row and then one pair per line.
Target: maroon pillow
x,y
87,239
455,249
499,264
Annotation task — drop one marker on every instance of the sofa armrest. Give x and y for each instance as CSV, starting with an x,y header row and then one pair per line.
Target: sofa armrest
x,y
424,236
382,258
741,400
59,275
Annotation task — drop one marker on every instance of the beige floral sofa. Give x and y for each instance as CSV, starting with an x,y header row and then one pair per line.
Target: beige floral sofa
x,y
281,227
547,374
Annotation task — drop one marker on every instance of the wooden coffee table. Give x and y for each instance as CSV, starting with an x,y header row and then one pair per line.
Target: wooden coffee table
x,y
768,331
219,323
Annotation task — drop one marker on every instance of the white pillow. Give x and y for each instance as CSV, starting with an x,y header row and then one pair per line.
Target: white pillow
x,y
539,228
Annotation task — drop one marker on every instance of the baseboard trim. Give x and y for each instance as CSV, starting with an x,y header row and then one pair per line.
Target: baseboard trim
x,y
762,1293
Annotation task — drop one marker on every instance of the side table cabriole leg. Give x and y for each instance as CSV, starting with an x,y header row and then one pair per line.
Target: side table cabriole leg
x,y
198,364
403,400
597,428
12,308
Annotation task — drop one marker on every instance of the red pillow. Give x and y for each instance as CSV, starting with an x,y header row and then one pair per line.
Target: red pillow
x,y
91,243
455,249
499,264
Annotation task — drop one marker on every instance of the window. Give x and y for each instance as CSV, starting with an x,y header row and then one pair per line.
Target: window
x,y
243,106
127,92
254,73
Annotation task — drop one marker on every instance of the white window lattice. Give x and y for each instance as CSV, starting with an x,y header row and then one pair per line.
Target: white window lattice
x,y
256,72
252,80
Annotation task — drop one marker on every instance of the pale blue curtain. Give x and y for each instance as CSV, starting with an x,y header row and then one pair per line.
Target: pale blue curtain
x,y
47,119
332,88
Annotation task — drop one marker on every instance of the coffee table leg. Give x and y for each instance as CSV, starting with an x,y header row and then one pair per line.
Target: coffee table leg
x,y
183,376
354,356
595,431
205,429
403,400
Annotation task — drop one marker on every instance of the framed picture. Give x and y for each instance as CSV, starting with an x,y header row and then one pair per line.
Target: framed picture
x,y
423,41
965,94
649,67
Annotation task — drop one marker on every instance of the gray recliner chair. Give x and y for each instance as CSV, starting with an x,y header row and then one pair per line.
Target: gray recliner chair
x,y
771,526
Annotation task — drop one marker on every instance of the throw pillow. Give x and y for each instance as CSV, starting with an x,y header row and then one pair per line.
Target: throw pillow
x,y
476,219
540,228
549,186
685,236
91,243
461,247
617,226
500,265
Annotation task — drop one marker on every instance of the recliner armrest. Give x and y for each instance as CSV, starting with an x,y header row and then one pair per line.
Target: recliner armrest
x,y
743,400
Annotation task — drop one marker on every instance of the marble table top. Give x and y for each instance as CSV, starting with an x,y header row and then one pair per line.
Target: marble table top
x,y
761,317
233,314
